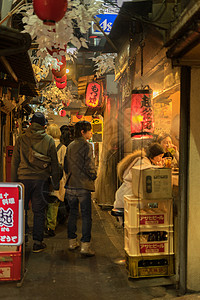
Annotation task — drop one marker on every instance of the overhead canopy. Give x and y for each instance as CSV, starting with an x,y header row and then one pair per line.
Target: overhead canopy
x,y
15,62
126,23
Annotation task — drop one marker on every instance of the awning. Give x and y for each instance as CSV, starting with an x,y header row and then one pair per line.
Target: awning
x,y
15,62
184,38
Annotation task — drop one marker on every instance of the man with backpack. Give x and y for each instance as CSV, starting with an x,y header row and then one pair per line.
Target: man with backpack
x,y
34,160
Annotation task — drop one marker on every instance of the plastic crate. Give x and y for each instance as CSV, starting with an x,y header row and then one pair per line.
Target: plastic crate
x,y
148,241
147,213
150,266
10,265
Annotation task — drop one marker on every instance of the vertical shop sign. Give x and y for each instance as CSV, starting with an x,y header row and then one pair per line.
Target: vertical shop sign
x,y
11,214
142,124
92,98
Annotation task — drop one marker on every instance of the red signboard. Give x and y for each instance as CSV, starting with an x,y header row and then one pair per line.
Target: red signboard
x,y
92,98
142,124
11,214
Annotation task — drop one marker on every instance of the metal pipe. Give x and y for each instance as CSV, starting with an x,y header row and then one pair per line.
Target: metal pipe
x,y
183,174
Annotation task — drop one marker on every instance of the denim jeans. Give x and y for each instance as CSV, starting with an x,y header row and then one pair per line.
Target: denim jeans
x,y
74,197
34,192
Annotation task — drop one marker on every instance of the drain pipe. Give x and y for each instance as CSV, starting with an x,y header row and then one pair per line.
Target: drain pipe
x,y
183,174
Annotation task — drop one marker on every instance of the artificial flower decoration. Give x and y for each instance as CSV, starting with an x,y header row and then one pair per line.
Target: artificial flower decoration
x,y
104,63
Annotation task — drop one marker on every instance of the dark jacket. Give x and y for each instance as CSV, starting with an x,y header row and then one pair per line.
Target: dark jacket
x,y
20,165
79,162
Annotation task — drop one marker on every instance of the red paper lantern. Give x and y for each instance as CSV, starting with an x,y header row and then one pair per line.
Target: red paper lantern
x,y
60,79
142,124
62,71
92,98
56,50
62,113
50,11
61,85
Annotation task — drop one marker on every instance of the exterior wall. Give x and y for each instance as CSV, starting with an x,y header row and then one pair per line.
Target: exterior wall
x,y
193,258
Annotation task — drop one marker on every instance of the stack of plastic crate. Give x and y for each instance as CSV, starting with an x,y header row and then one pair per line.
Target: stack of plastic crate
x,y
148,235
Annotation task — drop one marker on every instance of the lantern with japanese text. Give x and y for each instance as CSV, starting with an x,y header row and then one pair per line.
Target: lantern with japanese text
x,y
142,124
50,11
92,98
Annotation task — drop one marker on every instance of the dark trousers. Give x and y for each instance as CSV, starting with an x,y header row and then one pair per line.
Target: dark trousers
x,y
74,197
34,192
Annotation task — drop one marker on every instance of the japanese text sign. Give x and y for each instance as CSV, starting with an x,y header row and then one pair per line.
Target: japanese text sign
x,y
11,214
141,114
92,98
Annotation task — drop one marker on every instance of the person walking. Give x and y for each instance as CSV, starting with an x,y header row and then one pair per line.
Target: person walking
x,y
79,166
34,160
58,196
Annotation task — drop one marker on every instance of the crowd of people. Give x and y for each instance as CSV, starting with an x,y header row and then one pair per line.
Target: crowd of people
x,y
56,165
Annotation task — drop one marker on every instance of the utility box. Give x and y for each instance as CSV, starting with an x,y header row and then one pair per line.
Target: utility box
x,y
151,183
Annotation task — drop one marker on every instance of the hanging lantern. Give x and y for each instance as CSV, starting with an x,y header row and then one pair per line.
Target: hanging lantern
x,y
60,79
92,98
56,50
50,11
62,113
61,85
62,71
142,124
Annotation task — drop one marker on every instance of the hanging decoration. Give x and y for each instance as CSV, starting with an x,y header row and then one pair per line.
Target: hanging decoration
x,y
142,124
62,113
50,11
60,79
61,85
92,98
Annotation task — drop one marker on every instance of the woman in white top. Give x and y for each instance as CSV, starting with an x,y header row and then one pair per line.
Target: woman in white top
x,y
153,156
52,210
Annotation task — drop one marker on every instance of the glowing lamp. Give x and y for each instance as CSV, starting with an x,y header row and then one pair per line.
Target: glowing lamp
x,y
142,124
92,98
50,11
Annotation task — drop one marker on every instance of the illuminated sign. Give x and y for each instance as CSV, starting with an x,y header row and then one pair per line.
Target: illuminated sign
x,y
142,124
106,22
92,98
11,214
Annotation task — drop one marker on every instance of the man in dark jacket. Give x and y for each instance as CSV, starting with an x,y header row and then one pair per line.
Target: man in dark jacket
x,y
80,166
33,175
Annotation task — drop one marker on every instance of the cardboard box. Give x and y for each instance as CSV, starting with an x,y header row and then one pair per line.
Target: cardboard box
x,y
151,183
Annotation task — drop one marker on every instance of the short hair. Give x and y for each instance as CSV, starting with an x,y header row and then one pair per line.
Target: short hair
x,y
163,136
54,131
82,125
154,149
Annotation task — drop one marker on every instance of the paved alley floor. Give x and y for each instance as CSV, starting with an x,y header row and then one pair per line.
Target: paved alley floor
x,y
61,274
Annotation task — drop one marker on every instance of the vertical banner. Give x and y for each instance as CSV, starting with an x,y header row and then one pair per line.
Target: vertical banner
x,y
11,214
142,124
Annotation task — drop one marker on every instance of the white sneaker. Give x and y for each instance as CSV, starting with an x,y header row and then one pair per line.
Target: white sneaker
x,y
86,250
73,244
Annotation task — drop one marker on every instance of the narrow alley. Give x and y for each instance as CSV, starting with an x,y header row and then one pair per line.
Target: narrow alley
x,y
58,273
